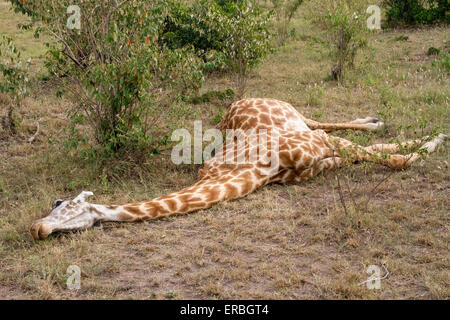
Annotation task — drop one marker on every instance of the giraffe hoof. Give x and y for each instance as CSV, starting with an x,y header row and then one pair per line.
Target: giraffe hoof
x,y
367,120
375,125
431,146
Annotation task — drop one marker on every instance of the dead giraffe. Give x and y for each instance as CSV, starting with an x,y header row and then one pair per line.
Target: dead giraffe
x,y
303,150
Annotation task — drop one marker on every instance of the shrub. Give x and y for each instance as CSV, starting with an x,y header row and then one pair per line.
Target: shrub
x,y
14,78
228,35
284,12
401,38
72,46
248,40
185,25
344,23
123,83
433,51
131,61
194,26
413,12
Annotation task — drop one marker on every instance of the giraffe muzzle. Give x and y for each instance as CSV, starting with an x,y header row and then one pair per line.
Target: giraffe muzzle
x,y
40,231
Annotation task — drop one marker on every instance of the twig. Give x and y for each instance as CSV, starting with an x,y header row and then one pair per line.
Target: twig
x,y
339,186
31,139
350,193
387,176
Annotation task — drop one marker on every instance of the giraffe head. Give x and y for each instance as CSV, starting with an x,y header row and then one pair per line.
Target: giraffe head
x,y
65,216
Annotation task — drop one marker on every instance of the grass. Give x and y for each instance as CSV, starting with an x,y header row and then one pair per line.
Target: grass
x,y
24,39
283,241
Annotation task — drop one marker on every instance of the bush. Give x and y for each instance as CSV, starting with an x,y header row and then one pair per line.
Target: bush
x,y
228,35
194,26
72,46
344,23
14,78
248,40
414,12
188,26
132,61
123,83
284,12
433,51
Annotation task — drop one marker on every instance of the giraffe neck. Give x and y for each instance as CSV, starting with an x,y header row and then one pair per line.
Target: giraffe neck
x,y
201,195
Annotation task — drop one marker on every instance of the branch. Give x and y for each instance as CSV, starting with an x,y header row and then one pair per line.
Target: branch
x,y
341,197
31,139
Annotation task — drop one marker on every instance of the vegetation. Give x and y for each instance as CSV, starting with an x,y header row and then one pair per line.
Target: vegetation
x,y
229,36
120,82
442,63
414,12
128,74
14,78
344,25
284,12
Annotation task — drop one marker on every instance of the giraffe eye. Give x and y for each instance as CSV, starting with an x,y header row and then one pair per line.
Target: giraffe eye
x,y
57,203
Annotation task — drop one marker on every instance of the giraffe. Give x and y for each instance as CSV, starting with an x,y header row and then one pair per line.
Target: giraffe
x,y
304,149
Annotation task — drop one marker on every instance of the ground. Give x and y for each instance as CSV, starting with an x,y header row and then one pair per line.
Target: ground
x,y
281,242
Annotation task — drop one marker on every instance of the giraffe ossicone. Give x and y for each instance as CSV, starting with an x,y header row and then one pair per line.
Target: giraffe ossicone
x,y
83,196
304,149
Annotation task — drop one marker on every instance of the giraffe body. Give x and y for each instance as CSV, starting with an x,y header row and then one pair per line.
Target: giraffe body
x,y
263,114
303,149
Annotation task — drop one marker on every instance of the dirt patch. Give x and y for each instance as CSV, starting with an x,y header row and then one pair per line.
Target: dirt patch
x,y
11,293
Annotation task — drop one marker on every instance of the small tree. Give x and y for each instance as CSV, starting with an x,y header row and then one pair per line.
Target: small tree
x,y
123,82
229,35
247,38
344,23
14,78
284,12
414,12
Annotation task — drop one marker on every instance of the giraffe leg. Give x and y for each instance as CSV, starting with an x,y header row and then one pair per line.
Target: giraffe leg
x,y
290,175
335,162
374,153
368,123
324,164
395,147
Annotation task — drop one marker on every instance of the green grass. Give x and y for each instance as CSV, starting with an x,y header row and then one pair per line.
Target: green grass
x,y
283,241
25,41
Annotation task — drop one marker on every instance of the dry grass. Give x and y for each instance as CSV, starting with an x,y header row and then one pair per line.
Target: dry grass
x,y
283,241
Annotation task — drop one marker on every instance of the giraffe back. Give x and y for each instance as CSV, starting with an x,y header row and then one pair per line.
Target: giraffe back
x,y
256,113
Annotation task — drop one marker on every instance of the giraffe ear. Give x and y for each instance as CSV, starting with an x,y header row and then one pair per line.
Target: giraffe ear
x,y
57,203
83,196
